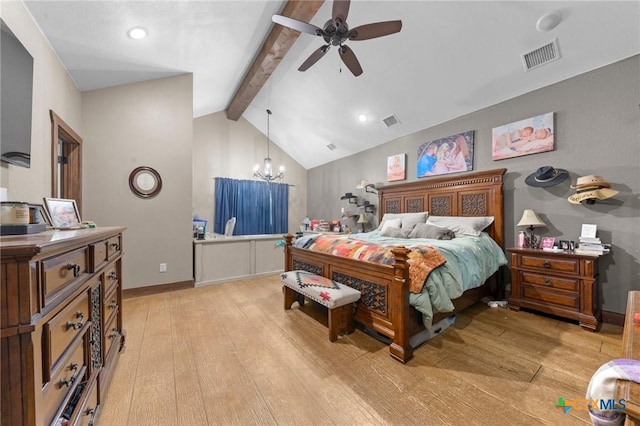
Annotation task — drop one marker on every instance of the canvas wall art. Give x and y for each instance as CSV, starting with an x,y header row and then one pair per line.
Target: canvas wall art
x,y
452,154
523,137
396,167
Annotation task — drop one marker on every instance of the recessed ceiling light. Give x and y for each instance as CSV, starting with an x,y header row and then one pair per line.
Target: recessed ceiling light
x,y
548,21
137,33
362,117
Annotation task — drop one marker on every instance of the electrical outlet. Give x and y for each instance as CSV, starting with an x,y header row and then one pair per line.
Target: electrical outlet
x,y
163,267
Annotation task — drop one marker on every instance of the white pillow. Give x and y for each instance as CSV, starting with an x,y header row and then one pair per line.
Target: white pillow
x,y
408,220
390,223
462,225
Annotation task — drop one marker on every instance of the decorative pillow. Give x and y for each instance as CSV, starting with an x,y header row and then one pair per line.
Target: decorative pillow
x,y
462,225
391,223
425,230
395,232
408,219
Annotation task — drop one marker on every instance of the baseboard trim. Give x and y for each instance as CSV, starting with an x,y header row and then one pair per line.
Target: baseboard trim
x,y
129,293
614,318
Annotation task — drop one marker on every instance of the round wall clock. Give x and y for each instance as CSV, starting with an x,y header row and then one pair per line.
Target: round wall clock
x,y
145,182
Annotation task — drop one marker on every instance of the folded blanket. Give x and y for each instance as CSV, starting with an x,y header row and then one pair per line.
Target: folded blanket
x,y
602,387
422,259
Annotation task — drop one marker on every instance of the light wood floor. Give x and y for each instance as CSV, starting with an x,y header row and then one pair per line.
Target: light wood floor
x,y
229,354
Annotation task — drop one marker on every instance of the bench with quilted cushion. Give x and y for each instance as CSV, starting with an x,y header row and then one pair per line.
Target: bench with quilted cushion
x,y
338,298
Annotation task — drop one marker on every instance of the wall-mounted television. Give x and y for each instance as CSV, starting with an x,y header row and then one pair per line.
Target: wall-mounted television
x,y
16,86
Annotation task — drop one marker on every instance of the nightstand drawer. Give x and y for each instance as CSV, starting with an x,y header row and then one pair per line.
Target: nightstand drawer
x,y
549,264
550,281
550,296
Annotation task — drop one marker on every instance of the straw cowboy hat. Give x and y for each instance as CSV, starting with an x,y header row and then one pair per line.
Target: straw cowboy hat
x,y
591,181
591,188
591,195
546,176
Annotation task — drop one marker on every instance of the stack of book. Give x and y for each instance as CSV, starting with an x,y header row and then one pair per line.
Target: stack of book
x,y
590,244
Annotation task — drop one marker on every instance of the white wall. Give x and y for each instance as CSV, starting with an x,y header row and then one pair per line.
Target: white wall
x,y
226,148
142,124
52,89
597,128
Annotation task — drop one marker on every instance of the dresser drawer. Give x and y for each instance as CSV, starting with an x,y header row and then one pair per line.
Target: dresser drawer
x,y
550,296
63,328
59,271
114,246
111,334
62,381
111,305
550,264
98,253
85,412
111,277
550,281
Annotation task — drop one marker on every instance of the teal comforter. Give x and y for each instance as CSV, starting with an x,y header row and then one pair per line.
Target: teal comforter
x,y
470,261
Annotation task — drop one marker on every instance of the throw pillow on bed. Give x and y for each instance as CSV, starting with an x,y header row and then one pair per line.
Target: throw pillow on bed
x,y
425,230
395,232
389,224
467,225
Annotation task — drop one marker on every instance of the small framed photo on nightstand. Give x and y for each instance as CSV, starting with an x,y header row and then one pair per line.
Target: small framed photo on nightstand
x,y
563,245
547,242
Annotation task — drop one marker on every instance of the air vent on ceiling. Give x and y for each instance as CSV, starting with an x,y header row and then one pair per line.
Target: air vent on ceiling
x,y
391,120
540,56
331,147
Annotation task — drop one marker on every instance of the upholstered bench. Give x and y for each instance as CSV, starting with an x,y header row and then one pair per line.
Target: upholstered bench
x,y
339,298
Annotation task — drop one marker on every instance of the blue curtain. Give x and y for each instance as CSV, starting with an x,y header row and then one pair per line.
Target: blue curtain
x,y
259,207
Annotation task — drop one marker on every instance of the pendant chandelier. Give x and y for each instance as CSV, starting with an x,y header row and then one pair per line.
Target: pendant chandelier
x,y
267,171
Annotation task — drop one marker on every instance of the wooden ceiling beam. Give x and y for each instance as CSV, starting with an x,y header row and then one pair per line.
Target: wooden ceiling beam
x,y
276,45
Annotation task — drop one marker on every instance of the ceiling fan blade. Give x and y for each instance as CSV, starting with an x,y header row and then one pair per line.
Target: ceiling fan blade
x,y
377,29
315,57
303,27
340,10
350,60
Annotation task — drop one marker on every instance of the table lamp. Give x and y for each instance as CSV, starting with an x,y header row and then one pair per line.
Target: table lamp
x,y
362,220
531,220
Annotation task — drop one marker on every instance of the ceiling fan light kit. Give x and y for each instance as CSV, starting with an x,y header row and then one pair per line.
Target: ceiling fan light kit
x,y
336,32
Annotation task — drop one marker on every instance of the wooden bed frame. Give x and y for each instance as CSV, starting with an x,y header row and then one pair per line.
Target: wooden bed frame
x,y
384,306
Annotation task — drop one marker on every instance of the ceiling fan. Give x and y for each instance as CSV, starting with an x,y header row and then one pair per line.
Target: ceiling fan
x,y
336,32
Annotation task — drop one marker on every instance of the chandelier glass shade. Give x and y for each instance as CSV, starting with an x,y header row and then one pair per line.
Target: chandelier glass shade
x,y
267,170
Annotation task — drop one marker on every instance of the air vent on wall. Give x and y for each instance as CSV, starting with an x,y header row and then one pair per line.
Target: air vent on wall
x,y
391,120
331,147
543,55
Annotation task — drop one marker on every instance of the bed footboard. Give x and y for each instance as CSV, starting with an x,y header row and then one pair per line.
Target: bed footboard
x,y
384,305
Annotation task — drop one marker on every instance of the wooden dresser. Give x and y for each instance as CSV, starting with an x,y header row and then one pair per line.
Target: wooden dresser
x,y
557,283
61,324
630,391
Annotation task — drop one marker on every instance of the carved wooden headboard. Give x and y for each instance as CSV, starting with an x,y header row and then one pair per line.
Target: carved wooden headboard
x,y
469,194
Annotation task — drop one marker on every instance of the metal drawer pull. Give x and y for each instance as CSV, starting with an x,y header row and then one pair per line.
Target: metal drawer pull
x,y
115,246
114,333
76,325
67,383
546,264
113,304
75,267
547,281
112,275
73,366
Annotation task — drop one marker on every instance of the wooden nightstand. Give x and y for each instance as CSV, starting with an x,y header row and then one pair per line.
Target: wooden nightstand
x,y
557,283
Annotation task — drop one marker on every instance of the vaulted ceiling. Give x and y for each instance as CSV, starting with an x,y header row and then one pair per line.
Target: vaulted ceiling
x,y
450,58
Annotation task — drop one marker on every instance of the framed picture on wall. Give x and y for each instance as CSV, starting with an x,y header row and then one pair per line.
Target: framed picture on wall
x,y
524,137
452,154
396,167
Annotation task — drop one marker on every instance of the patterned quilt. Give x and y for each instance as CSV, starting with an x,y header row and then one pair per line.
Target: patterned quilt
x,y
422,259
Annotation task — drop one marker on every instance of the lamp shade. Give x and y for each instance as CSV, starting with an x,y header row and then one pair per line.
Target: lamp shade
x,y
530,218
362,218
